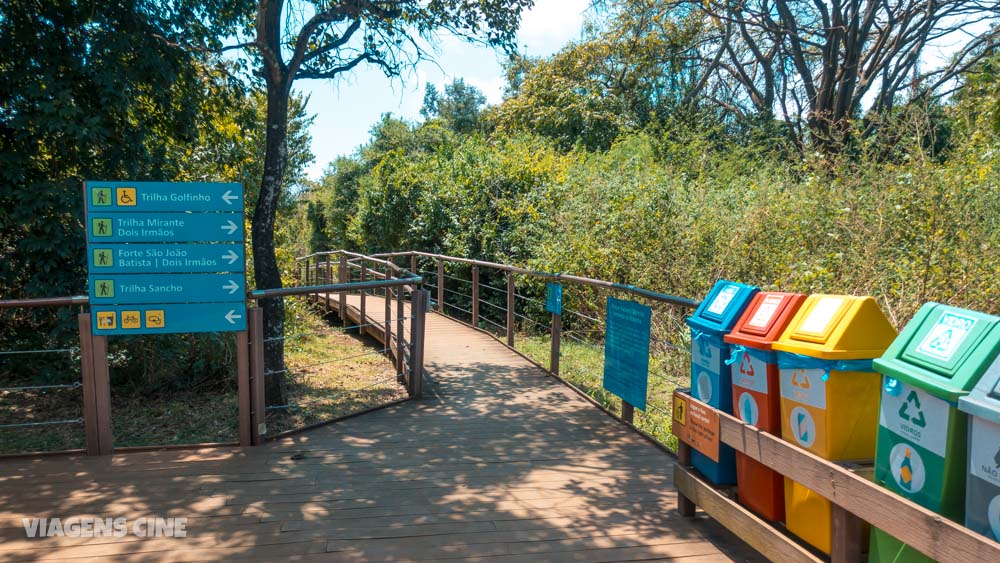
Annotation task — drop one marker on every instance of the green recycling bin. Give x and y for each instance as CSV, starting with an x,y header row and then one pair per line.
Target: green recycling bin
x,y
921,450
982,491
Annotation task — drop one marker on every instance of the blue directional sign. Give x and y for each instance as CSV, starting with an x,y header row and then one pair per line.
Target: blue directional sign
x,y
168,318
626,351
165,257
164,227
553,298
144,197
154,288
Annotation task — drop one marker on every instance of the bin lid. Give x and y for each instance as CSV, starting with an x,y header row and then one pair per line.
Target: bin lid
x,y
943,350
721,308
765,318
837,327
984,399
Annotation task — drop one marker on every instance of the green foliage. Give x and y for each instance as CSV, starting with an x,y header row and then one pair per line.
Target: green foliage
x,y
460,106
628,74
100,91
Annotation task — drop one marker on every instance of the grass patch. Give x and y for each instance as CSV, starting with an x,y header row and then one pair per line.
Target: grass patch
x,y
582,365
332,374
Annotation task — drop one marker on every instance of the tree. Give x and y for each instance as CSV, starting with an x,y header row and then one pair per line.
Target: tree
x,y
818,62
627,72
460,107
324,40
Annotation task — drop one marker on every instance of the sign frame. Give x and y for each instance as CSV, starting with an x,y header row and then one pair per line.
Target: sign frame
x,y
187,311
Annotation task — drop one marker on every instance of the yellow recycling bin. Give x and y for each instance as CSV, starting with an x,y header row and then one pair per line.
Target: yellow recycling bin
x,y
829,394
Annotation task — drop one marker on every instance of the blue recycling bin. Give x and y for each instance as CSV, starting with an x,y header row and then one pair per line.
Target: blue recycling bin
x,y
711,375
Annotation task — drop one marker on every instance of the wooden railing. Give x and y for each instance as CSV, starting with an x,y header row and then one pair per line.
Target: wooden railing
x,y
856,501
93,350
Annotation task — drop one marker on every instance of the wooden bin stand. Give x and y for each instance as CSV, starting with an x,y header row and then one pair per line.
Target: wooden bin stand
x,y
854,498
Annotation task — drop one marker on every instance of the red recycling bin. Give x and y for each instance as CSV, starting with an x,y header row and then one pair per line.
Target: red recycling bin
x,y
756,397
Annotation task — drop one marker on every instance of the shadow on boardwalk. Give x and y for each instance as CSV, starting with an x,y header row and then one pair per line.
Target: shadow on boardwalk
x,y
498,461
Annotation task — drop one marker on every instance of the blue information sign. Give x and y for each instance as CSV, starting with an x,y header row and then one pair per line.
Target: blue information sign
x,y
142,197
164,227
154,288
169,318
164,258
553,298
626,351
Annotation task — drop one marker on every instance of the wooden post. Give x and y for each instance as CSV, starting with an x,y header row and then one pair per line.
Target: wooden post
x,y
556,342
328,280
685,506
846,535
243,387
364,318
400,336
418,309
413,265
258,411
475,296
387,321
342,278
440,286
307,271
102,394
89,391
628,412
510,309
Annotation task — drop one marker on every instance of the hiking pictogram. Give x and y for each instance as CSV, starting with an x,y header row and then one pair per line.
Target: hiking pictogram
x,y
904,410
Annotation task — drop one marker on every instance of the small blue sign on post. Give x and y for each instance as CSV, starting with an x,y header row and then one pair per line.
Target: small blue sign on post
x,y
626,351
139,231
553,298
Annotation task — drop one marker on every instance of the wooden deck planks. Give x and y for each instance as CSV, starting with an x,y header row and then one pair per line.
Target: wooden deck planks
x,y
498,462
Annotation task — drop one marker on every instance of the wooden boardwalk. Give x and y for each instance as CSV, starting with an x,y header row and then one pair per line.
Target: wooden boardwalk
x,y
498,462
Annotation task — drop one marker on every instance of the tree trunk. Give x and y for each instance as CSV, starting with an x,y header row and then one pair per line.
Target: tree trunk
x,y
266,272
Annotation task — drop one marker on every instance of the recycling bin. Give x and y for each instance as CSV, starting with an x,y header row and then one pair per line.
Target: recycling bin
x,y
711,380
982,492
755,394
829,394
922,436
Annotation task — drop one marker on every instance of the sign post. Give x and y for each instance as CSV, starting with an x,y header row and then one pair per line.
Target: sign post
x,y
165,257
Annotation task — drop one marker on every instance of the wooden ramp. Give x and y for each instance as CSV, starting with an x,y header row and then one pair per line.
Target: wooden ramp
x,y
498,462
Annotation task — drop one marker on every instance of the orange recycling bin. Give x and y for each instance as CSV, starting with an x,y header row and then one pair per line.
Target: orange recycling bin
x,y
756,399
829,394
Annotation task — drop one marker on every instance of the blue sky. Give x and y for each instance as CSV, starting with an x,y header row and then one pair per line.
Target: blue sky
x,y
346,109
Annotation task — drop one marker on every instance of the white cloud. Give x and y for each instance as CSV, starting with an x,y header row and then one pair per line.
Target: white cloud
x,y
550,24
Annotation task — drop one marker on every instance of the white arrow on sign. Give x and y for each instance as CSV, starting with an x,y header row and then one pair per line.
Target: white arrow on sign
x,y
230,227
231,286
231,316
231,257
229,198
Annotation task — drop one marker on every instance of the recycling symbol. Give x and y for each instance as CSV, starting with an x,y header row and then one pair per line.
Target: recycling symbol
x,y
904,411
746,367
